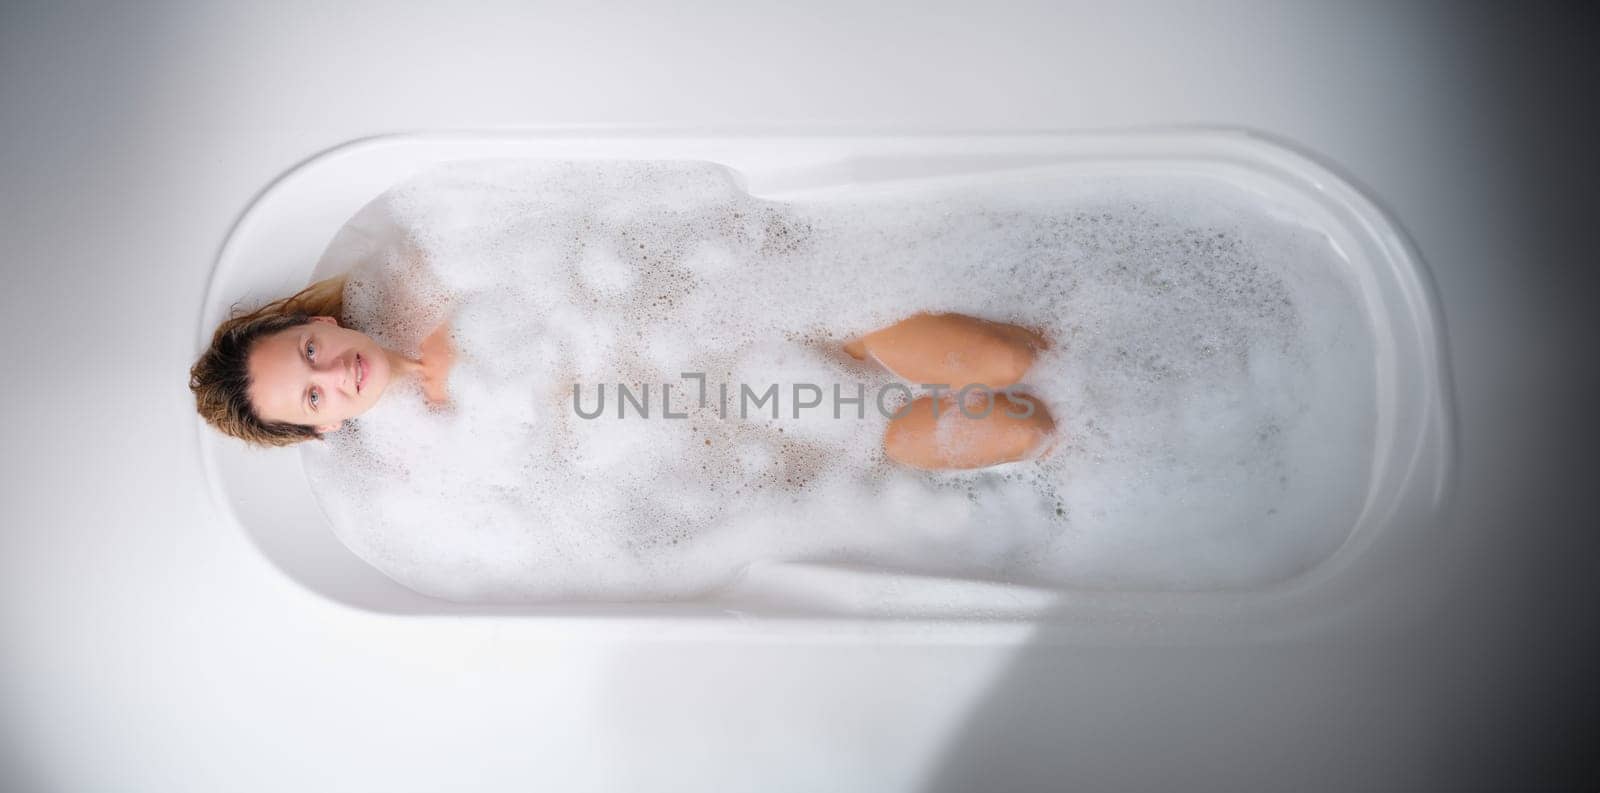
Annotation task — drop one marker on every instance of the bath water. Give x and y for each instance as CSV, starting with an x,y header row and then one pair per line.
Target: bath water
x,y
1211,375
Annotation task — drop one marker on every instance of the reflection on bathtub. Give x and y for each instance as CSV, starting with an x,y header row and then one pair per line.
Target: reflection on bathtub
x,y
1211,375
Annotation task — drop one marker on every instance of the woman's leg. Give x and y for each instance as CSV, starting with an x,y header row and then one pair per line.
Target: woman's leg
x,y
956,350
951,349
939,435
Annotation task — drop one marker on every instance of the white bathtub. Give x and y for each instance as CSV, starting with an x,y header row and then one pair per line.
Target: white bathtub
x,y
276,243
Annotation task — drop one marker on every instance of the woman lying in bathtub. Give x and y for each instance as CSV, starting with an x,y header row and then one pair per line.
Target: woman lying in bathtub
x,y
288,372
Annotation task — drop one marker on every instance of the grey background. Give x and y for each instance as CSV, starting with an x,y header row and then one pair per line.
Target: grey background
x,y
142,648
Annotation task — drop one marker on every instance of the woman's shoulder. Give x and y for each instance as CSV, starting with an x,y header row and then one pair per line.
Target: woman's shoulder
x,y
438,357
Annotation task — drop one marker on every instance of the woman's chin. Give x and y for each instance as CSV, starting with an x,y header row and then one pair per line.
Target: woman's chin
x,y
379,390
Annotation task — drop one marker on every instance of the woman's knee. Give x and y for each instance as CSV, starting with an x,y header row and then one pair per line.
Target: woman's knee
x,y
939,435
951,349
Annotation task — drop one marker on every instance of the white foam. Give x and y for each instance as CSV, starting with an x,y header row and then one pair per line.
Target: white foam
x,y
1211,374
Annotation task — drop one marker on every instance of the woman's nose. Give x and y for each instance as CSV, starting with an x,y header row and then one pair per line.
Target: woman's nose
x,y
337,375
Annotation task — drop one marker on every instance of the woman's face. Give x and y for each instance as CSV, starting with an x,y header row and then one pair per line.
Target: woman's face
x,y
317,374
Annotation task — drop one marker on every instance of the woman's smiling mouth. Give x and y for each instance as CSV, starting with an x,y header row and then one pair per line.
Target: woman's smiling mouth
x,y
361,372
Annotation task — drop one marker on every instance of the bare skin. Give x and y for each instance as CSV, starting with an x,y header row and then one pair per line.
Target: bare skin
x,y
322,374
438,356
927,348
939,436
958,350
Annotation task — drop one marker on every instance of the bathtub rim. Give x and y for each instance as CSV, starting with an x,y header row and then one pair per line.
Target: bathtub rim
x,y
1435,437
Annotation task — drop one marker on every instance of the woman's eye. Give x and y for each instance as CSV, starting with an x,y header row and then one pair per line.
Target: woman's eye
x,y
311,349
314,398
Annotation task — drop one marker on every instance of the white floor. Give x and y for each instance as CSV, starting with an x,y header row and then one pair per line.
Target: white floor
x,y
146,646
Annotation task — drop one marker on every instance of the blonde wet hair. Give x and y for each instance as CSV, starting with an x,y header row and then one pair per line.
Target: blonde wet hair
x,y
220,379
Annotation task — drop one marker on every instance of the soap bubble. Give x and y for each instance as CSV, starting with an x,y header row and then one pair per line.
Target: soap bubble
x,y
1209,438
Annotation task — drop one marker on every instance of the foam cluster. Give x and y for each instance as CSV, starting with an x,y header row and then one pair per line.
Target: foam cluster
x,y
1211,374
